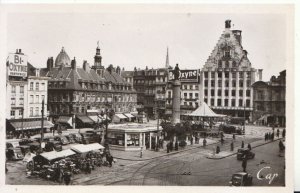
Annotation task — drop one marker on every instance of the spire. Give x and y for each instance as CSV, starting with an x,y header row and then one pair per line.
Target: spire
x,y
167,58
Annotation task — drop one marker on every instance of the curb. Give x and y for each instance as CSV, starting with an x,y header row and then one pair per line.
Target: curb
x,y
236,152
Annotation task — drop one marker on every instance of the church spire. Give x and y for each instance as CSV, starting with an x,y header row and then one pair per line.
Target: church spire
x,y
98,57
167,58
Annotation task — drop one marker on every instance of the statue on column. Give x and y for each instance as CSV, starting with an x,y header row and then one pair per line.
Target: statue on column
x,y
176,72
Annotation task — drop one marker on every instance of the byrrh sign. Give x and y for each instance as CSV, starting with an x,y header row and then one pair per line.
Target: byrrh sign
x,y
185,75
17,65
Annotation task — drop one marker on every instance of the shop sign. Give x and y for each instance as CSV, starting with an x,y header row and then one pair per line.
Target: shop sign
x,y
17,65
185,75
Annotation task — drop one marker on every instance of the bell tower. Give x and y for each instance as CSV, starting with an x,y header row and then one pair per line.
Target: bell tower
x,y
97,57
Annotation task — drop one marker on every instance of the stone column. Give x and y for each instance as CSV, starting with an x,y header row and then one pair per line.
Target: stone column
x,y
176,102
209,88
230,88
144,139
150,140
223,89
125,140
216,88
237,92
244,87
141,140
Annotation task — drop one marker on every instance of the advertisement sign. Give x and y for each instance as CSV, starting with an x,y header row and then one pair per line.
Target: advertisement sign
x,y
185,75
17,65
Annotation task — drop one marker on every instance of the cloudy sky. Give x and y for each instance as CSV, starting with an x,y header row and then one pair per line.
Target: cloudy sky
x,y
141,39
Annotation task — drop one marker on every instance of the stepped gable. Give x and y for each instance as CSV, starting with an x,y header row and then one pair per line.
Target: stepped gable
x,y
228,39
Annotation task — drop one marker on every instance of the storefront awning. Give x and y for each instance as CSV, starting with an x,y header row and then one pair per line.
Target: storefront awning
x,y
80,148
65,119
129,115
26,125
121,116
57,154
95,118
85,119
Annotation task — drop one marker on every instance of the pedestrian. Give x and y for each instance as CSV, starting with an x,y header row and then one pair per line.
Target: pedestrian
x,y
266,136
176,145
242,146
168,147
141,152
233,136
204,142
218,150
171,146
244,164
67,177
283,133
249,146
281,146
222,141
272,136
277,134
231,146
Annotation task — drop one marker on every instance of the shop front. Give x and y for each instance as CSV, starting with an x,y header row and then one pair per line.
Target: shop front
x,y
132,137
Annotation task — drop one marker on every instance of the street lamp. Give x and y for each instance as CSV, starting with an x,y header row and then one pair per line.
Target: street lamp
x,y
42,126
22,110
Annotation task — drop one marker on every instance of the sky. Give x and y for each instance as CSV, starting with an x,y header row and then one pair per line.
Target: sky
x,y
141,39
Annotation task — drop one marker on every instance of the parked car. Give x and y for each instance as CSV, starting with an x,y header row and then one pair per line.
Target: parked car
x,y
230,129
34,146
242,152
90,138
53,145
241,179
12,144
77,137
14,154
62,139
71,138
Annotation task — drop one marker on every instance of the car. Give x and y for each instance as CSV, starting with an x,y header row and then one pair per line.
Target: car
x,y
14,154
77,137
12,144
242,152
90,138
71,138
53,145
62,139
241,179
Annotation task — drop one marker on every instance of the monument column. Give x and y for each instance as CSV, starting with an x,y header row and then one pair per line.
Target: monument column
x,y
176,97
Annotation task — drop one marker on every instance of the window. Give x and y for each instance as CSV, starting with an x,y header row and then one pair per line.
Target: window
x,y
233,83
31,111
185,87
240,102
212,102
240,93
169,94
20,112
43,97
21,89
37,86
233,102
226,74
12,113
227,65
196,95
31,99
31,86
37,99
219,74
233,64
205,74
205,92
205,100
227,54
185,103
219,92
13,101
185,95
241,74
219,102
21,101
36,111
232,92
191,95
241,83
226,102
191,104
43,86
233,75
219,83
196,87
212,92
247,93
226,92
13,89
247,103
226,83
212,83
206,83
248,83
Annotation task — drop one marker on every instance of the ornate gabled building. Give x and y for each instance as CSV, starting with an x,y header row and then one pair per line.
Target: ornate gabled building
x,y
72,91
227,76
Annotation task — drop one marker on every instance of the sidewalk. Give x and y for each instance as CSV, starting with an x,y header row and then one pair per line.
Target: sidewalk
x,y
151,154
226,153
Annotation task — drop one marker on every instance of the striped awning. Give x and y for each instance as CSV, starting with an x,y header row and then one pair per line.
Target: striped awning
x,y
27,125
65,119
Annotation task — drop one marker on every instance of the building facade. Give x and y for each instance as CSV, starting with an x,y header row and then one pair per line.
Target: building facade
x,y
269,101
227,76
72,91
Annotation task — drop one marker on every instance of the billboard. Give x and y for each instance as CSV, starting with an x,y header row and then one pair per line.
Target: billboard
x,y
17,65
185,75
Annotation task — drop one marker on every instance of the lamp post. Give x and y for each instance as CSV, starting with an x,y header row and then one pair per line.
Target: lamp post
x,y
42,126
22,110
244,117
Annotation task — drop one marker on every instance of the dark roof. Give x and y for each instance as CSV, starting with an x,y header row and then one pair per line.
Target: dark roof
x,y
127,74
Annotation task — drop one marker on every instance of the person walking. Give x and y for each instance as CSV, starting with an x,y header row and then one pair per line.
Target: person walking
x,y
233,136
281,146
242,146
218,150
265,136
249,146
283,133
277,134
231,146
244,164
141,152
272,136
204,142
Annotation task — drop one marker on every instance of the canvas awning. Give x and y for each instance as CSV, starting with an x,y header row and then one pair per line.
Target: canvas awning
x,y
57,154
65,119
121,116
85,119
129,115
26,125
204,111
80,148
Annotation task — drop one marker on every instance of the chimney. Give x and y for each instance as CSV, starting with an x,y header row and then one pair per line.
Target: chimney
x,y
260,74
37,72
73,64
228,24
86,66
20,51
118,70
50,63
17,51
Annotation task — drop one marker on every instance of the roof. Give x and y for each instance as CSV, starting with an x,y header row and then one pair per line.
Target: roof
x,y
127,73
62,59
55,155
81,148
204,111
